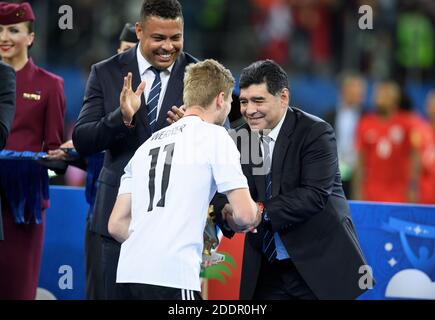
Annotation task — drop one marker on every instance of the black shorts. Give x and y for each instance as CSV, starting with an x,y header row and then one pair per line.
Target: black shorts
x,y
139,291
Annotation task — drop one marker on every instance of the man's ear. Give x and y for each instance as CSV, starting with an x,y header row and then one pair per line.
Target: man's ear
x,y
220,100
139,30
285,97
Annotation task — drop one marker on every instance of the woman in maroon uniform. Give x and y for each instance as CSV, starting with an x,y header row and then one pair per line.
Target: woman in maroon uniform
x,y
37,127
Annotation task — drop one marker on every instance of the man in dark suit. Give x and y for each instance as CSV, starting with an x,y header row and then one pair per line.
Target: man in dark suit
x,y
306,247
7,111
7,101
106,123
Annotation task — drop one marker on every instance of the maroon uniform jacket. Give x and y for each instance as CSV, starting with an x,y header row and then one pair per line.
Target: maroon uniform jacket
x,y
40,109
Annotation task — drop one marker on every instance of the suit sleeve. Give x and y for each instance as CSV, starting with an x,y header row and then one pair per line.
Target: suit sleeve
x,y
7,102
319,166
96,131
54,116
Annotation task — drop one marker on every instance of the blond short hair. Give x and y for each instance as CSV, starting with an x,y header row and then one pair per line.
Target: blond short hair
x,y
203,81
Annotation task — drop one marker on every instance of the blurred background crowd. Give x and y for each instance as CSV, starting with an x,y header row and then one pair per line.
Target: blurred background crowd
x,y
374,86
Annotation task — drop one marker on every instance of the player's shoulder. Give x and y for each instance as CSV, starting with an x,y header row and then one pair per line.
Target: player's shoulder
x,y
213,130
116,62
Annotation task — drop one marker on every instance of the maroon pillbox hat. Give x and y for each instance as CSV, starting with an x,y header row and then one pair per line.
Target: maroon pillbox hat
x,y
11,13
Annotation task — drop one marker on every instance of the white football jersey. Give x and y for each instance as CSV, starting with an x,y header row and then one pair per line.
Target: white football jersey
x,y
172,178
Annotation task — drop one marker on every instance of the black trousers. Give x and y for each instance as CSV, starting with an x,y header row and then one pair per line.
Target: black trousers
x,y
280,280
101,255
139,291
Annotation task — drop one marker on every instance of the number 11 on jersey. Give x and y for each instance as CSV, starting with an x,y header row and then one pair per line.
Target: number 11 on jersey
x,y
154,153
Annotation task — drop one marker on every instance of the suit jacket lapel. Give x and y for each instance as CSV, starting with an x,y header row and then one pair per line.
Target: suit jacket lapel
x,y
282,144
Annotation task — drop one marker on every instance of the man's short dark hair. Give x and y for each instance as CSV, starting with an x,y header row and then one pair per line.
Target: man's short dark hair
x,y
166,9
265,71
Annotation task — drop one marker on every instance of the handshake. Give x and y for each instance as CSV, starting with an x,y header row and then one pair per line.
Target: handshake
x,y
211,240
228,216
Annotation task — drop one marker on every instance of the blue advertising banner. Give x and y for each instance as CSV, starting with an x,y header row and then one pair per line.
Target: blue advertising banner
x,y
398,241
63,268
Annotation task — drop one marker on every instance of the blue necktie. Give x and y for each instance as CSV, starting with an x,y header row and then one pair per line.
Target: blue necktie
x,y
269,247
153,98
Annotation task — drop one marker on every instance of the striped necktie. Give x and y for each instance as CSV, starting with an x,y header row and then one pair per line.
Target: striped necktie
x,y
269,247
153,98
